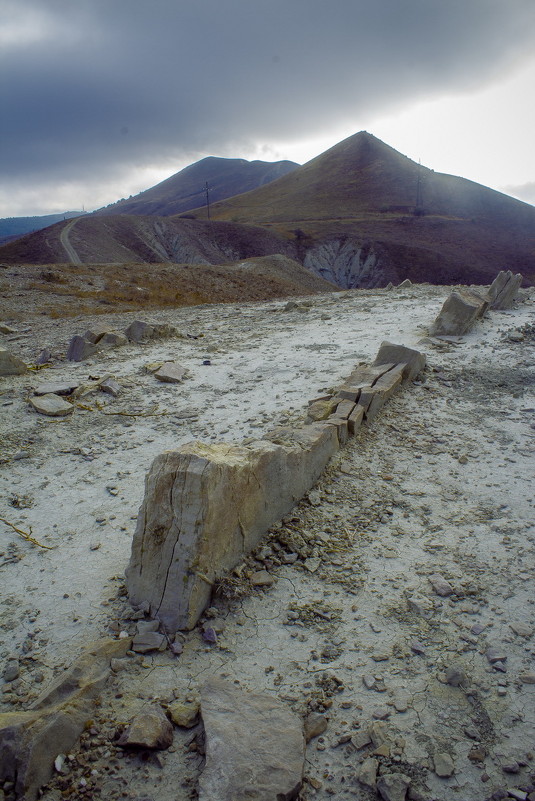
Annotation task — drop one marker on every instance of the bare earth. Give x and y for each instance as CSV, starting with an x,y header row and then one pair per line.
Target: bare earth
x,y
441,483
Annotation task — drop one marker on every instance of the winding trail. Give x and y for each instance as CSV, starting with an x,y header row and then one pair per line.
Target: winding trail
x,y
68,248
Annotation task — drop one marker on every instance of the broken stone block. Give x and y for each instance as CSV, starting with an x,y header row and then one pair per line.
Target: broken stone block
x,y
95,333
11,365
363,376
150,728
51,405
147,641
30,741
255,746
504,289
341,427
459,313
321,409
344,408
138,331
413,361
206,506
354,421
80,349
171,373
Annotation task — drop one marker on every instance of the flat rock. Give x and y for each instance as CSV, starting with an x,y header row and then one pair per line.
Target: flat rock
x,y
262,579
112,339
255,747
56,388
148,729
522,629
51,405
171,373
149,641
11,365
110,387
527,677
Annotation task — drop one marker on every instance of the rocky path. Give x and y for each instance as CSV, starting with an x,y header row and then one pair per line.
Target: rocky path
x,y
398,613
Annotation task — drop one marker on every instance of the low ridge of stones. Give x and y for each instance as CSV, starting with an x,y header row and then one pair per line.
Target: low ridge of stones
x,y
207,506
100,337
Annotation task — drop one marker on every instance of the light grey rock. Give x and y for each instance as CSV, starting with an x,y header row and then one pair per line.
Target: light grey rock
x,y
255,747
315,724
522,629
80,349
150,728
139,331
504,289
420,605
405,284
11,365
444,765
261,578
171,373
11,670
440,585
393,786
95,333
56,388
51,405
367,774
110,387
455,676
527,677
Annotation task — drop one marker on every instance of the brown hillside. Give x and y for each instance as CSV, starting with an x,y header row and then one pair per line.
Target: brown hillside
x,y
363,194
186,189
63,290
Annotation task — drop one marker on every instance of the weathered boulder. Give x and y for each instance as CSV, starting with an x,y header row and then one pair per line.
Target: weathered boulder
x,y
51,405
139,331
171,373
80,349
504,289
95,333
30,741
11,365
205,506
459,313
255,747
184,713
393,786
110,387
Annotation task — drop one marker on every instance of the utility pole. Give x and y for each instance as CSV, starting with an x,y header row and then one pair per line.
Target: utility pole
x,y
418,209
207,190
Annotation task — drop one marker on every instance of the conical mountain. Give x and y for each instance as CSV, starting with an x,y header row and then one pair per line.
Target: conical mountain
x,y
187,189
363,176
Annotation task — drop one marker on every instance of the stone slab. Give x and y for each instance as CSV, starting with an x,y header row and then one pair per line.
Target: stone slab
x,y
255,746
413,361
52,405
171,373
459,313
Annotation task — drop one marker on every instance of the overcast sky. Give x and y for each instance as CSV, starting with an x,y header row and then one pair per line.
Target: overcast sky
x,y
100,99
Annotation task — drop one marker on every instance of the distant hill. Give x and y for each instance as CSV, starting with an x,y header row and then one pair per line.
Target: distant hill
x,y
365,213
359,215
187,189
13,227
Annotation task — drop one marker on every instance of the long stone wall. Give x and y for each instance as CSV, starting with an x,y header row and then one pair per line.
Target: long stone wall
x,y
206,506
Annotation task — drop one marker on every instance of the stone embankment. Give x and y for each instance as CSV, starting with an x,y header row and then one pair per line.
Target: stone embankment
x,y
207,506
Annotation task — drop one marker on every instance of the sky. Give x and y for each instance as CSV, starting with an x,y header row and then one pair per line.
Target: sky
x,y
101,99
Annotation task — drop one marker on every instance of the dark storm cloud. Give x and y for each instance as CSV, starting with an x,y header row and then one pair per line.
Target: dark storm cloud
x,y
93,86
